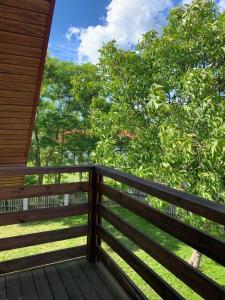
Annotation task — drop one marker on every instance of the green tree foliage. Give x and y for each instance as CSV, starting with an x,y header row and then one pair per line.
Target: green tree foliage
x,y
157,111
62,130
162,105
161,112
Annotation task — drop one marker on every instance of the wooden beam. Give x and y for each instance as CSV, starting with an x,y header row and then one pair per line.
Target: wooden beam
x,y
43,190
41,72
19,70
121,276
11,171
42,214
38,6
22,15
161,287
200,283
41,259
211,247
28,240
205,208
19,50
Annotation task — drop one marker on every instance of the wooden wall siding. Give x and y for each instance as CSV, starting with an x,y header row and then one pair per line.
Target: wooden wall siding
x,y
24,33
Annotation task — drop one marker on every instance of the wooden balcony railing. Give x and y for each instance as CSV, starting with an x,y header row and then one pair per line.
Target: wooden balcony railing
x,y
97,187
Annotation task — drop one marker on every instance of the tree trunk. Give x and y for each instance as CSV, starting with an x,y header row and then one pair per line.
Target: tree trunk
x,y
195,259
81,176
58,178
37,155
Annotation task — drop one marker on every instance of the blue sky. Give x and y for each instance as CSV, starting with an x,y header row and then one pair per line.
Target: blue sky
x,y
68,13
80,27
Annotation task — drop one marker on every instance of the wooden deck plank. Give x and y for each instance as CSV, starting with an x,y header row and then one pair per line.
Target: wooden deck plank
x,y
13,287
28,287
3,295
82,281
121,277
73,279
70,285
95,280
109,281
42,286
56,285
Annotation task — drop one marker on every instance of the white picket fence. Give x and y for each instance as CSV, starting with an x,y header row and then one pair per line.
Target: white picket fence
x,y
65,200
171,209
15,205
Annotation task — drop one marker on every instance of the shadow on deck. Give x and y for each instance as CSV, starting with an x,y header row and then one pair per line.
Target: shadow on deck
x,y
73,279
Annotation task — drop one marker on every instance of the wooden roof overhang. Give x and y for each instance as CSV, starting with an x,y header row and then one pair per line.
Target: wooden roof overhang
x,y
24,33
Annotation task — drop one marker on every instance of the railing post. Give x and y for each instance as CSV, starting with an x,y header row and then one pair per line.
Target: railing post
x,y
94,197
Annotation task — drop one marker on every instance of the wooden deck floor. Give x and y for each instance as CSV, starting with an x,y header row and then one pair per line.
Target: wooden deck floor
x,y
76,279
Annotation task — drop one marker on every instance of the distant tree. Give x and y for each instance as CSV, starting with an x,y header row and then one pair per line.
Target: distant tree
x,y
61,134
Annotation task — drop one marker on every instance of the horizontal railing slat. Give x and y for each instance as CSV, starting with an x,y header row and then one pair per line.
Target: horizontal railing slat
x,y
28,240
211,247
43,190
121,276
42,259
203,285
43,214
12,171
157,283
203,207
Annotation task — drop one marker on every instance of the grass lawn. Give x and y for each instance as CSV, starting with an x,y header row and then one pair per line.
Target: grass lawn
x,y
208,267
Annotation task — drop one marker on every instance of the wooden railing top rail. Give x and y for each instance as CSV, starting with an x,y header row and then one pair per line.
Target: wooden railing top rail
x,y
153,279
203,207
43,214
11,171
210,246
95,230
202,284
43,190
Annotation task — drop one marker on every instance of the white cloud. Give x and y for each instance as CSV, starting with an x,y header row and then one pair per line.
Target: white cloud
x,y
125,22
186,1
72,31
221,5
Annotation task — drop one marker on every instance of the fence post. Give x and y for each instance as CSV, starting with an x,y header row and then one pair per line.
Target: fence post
x,y
66,199
25,203
94,197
